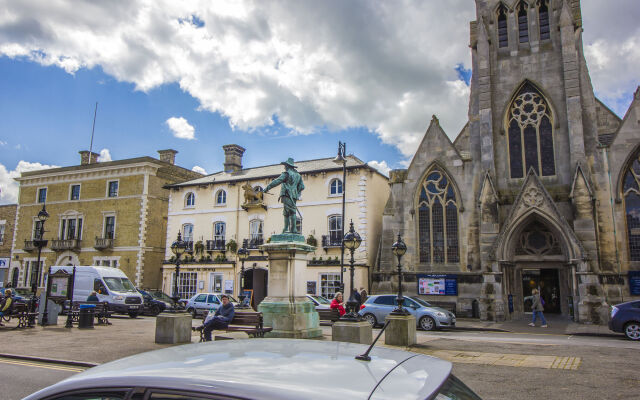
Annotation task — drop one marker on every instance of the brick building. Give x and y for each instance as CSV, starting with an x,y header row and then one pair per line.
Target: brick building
x,y
7,222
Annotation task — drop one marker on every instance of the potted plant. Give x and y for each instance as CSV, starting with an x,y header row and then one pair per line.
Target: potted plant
x,y
198,247
232,246
312,241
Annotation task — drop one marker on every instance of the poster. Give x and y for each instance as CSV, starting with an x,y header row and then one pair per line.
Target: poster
x,y
228,286
437,284
311,287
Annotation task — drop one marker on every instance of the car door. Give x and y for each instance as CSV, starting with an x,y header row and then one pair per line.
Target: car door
x,y
200,303
382,306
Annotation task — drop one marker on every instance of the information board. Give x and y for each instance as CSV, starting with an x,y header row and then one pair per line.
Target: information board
x,y
438,284
634,282
59,286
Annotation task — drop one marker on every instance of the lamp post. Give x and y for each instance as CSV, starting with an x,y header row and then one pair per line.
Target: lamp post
x,y
341,159
352,241
178,248
243,254
399,248
43,215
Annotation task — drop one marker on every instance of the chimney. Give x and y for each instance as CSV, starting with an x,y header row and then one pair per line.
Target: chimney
x,y
232,157
168,156
84,157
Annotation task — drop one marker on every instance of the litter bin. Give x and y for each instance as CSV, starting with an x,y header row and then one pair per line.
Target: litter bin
x,y
85,316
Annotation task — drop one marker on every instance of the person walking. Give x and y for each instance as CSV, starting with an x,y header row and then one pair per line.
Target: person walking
x,y
363,295
537,307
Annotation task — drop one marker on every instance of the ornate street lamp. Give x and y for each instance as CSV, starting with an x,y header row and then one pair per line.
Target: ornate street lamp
x,y
43,215
178,248
341,159
399,248
352,241
243,254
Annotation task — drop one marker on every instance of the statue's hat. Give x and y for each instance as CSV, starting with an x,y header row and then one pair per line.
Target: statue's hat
x,y
289,162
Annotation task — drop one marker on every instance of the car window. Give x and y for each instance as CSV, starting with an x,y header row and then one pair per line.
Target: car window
x,y
118,395
453,388
421,302
183,396
321,300
201,298
410,303
385,300
213,299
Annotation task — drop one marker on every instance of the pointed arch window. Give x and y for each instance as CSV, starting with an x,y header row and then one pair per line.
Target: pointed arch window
x,y
503,32
543,19
631,192
523,23
438,220
530,134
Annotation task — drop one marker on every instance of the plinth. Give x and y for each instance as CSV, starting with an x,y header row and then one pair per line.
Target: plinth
x,y
401,330
353,332
287,309
173,328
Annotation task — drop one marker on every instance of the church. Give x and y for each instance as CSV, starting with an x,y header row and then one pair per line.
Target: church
x,y
540,189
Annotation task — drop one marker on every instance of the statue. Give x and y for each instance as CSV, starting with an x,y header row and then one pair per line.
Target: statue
x,y
290,191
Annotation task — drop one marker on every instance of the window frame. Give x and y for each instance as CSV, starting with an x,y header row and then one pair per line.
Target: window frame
x,y
502,10
184,237
3,228
324,284
338,231
223,193
46,192
63,231
108,193
338,185
633,252
190,195
71,186
544,3
253,236
105,225
524,36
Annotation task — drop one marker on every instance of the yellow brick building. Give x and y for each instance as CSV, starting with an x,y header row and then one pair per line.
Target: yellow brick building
x,y
100,213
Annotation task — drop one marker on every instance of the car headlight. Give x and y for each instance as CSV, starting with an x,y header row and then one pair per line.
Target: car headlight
x,y
441,314
118,298
614,311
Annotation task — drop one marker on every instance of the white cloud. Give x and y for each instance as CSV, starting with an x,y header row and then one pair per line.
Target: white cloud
x,y
181,128
104,156
199,169
3,143
380,166
8,186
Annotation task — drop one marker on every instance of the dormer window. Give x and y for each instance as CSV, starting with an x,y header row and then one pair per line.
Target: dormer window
x,y
503,35
543,16
523,23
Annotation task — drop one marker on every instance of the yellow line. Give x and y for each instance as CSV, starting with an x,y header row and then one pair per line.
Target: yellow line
x,y
42,365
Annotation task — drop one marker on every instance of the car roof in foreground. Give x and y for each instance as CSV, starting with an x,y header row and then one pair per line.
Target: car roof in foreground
x,y
270,369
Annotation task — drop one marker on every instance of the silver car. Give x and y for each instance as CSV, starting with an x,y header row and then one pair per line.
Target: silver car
x,y
377,307
202,303
265,369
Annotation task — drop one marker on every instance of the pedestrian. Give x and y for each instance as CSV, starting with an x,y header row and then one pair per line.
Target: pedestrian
x,y
338,304
537,307
218,320
6,305
356,294
93,297
363,295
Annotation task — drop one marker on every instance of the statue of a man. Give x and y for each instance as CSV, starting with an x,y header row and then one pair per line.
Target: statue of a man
x,y
290,191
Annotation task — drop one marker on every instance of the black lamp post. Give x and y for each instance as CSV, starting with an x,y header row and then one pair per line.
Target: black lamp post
x,y
399,248
178,248
43,215
352,241
243,254
341,159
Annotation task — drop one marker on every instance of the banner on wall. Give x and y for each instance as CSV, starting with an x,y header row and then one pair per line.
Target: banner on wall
x,y
4,262
438,284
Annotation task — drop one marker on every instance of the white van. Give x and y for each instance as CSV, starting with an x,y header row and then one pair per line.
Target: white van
x,y
111,285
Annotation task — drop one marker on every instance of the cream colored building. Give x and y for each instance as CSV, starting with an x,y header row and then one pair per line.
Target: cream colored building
x,y
229,207
100,213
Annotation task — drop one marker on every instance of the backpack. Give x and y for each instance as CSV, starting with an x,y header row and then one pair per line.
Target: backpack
x,y
542,301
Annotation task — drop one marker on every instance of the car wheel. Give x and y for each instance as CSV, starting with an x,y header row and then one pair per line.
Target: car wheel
x,y
155,309
632,330
427,323
371,319
133,314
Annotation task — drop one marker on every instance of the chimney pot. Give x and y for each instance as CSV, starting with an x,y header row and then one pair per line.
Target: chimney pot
x,y
88,157
168,156
233,157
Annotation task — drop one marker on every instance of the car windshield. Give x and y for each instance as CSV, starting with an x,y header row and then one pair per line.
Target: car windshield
x,y
231,299
321,300
21,291
119,284
160,296
421,302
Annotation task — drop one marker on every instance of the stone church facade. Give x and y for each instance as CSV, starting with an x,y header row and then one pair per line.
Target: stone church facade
x,y
540,189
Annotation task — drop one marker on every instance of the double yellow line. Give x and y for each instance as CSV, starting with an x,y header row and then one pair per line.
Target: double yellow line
x,y
37,364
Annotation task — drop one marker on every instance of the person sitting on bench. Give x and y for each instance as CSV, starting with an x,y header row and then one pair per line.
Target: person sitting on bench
x,y
6,305
93,297
220,320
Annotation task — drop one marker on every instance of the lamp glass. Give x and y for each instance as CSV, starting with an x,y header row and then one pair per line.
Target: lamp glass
x,y
352,240
243,254
399,248
43,215
178,247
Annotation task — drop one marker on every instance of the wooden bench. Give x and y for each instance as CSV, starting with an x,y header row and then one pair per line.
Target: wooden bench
x,y
101,312
328,315
21,311
250,322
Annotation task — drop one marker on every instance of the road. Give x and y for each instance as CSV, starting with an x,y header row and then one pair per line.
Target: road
x,y
19,378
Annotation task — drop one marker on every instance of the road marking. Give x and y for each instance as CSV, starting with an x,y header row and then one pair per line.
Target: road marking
x,y
59,367
509,360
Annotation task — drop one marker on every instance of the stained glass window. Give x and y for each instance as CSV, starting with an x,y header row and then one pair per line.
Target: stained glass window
x,y
438,220
530,135
632,207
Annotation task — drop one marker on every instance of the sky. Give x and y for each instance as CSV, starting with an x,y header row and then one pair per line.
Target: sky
x,y
280,78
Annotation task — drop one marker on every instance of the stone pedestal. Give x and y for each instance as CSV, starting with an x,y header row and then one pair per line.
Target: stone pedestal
x,y
401,330
353,332
287,309
173,328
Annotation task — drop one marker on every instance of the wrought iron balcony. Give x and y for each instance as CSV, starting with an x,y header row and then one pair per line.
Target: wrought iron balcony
x,y
216,245
189,245
103,243
330,241
31,245
253,242
65,244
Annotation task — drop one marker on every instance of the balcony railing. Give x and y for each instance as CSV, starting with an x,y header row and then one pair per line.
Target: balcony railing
x,y
189,245
253,242
103,243
65,244
31,245
216,245
328,241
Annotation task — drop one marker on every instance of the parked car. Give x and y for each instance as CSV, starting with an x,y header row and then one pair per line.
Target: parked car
x,y
152,305
625,318
319,301
20,295
201,303
377,307
265,369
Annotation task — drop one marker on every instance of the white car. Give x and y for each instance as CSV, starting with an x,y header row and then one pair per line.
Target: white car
x,y
202,303
319,301
265,369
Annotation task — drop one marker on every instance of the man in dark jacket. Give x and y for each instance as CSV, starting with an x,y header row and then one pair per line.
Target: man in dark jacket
x,y
220,320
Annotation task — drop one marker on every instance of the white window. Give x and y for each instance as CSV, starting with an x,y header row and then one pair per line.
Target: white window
x,y
112,189
42,195
221,197
187,232
71,228
74,192
219,229
190,200
187,284
335,230
2,233
329,284
37,230
335,187
255,231
109,227
215,282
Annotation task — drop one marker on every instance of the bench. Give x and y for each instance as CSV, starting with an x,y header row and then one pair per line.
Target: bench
x,y
250,322
101,312
25,317
328,315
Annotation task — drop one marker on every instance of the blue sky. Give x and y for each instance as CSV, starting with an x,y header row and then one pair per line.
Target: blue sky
x,y
256,74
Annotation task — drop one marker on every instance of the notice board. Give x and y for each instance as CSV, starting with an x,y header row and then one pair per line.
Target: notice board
x,y
634,283
438,284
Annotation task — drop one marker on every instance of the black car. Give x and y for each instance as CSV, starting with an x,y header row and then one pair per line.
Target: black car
x,y
153,303
625,318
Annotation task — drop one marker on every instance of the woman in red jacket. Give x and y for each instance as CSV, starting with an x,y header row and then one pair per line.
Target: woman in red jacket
x,y
337,303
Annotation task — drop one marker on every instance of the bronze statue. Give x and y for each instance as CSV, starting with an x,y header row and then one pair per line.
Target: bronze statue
x,y
290,191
